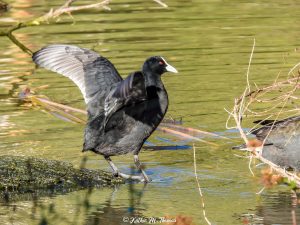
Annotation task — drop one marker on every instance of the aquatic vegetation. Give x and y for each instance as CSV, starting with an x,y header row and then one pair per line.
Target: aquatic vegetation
x,y
20,175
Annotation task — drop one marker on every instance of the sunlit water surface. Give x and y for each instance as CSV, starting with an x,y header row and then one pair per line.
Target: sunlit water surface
x,y
209,42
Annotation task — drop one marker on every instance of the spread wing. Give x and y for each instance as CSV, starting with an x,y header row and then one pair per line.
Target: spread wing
x,y
87,69
128,92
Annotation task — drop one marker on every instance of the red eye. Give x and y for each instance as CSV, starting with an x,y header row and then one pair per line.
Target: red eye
x,y
161,63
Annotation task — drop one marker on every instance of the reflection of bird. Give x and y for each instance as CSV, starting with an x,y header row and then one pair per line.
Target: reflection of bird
x,y
282,144
122,114
109,213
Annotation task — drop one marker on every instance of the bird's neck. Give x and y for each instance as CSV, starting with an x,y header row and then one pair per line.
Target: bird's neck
x,y
155,89
153,80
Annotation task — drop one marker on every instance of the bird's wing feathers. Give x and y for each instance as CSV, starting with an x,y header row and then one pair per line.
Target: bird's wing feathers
x,y
86,68
129,91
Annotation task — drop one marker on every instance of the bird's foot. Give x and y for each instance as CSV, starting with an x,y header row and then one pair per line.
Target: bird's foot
x,y
146,179
132,177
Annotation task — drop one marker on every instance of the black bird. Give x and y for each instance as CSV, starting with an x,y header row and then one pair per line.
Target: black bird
x,y
282,144
278,141
122,114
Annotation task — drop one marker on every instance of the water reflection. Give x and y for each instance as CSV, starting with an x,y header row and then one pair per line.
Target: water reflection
x,y
87,210
109,214
209,42
272,204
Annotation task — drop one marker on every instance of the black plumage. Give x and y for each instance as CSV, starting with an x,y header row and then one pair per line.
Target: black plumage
x,y
122,114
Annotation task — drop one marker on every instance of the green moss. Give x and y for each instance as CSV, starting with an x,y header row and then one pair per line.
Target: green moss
x,y
19,175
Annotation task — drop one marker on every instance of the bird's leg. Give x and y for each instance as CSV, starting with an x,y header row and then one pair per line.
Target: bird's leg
x,y
116,172
113,166
138,165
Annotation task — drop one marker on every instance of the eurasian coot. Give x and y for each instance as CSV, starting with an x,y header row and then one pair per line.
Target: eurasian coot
x,y
282,144
122,114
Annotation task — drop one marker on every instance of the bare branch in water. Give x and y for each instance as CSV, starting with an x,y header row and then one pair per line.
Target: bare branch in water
x,y
278,100
66,8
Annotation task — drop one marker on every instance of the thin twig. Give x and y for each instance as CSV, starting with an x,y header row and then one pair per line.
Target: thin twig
x,y
294,67
249,64
238,123
271,87
161,3
241,156
199,187
67,8
249,165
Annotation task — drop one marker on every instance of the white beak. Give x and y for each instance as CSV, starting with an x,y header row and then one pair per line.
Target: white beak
x,y
171,68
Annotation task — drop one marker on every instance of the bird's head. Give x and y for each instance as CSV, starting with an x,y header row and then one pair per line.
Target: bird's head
x,y
157,65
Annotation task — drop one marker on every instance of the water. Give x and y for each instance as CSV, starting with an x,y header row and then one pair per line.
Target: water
x,y
209,42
